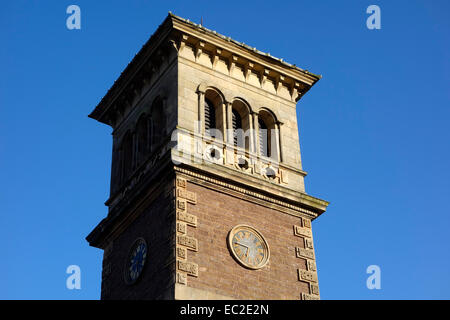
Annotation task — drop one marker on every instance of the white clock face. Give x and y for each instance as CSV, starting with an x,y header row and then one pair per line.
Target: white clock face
x,y
248,247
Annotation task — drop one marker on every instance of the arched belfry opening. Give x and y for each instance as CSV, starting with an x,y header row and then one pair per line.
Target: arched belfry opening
x,y
158,122
241,124
142,138
213,114
127,157
268,135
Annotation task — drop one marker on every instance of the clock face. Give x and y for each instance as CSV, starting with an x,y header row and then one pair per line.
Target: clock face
x,y
248,247
136,261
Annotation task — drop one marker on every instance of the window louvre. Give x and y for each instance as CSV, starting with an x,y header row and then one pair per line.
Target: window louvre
x,y
263,139
237,124
210,115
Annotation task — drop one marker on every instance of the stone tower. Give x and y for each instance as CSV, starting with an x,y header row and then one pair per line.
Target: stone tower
x,y
207,196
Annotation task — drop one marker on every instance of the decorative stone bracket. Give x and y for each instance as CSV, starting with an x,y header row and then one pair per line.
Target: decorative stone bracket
x,y
295,83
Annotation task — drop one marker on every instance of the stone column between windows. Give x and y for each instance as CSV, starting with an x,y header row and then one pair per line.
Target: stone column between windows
x,y
256,135
200,128
229,130
278,140
251,138
224,121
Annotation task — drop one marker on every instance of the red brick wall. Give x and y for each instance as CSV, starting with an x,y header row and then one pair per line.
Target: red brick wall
x,y
217,214
156,224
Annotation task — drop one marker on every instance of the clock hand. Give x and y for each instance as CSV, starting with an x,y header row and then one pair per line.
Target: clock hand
x,y
241,244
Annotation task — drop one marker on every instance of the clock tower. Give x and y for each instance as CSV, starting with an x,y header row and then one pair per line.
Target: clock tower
x,y
207,197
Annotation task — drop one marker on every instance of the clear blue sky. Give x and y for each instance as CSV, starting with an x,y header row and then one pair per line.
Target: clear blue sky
x,y
374,134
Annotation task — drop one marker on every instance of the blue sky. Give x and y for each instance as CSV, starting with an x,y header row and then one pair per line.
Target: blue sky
x,y
374,134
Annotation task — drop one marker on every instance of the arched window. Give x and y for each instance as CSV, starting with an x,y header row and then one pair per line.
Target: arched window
x,y
158,123
268,144
115,169
126,156
264,140
237,124
210,116
214,117
142,134
241,124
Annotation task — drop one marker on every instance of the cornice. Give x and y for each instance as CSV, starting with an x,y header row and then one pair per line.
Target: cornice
x,y
304,204
242,49
135,75
129,73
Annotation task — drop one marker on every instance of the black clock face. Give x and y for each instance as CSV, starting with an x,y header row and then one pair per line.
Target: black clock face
x,y
136,261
